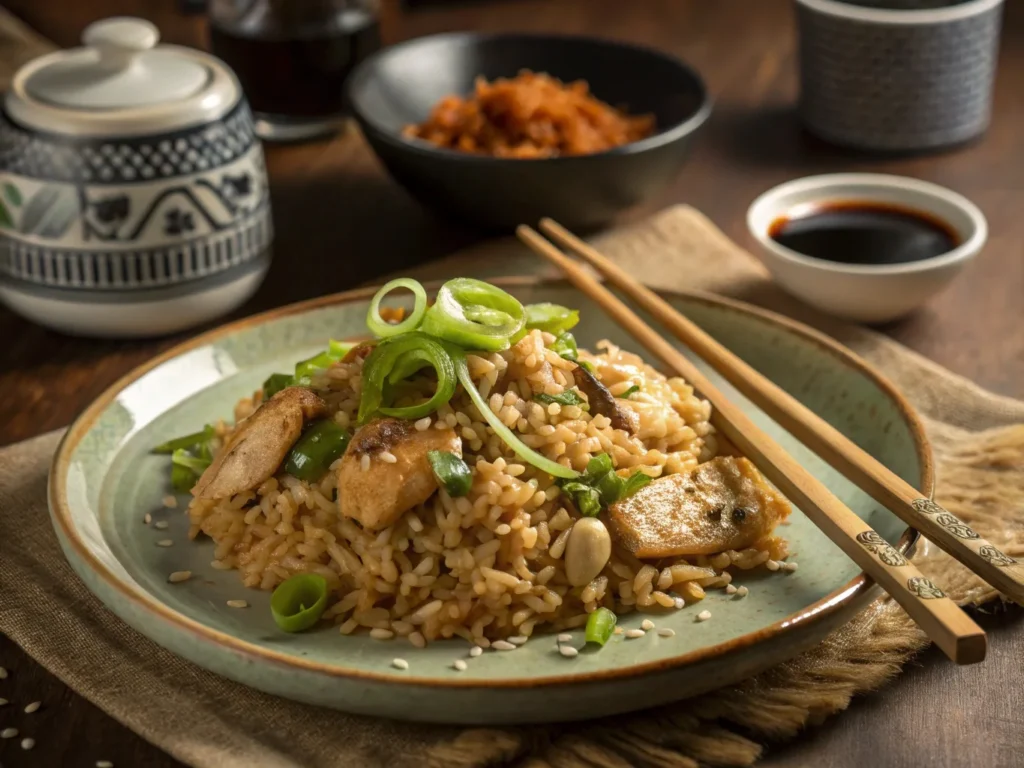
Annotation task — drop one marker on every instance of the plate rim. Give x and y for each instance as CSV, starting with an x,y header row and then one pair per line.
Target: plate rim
x,y
814,613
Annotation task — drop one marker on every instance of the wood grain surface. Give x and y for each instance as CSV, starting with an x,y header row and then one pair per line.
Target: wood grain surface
x,y
341,222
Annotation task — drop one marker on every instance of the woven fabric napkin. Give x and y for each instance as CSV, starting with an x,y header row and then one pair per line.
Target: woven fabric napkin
x,y
210,722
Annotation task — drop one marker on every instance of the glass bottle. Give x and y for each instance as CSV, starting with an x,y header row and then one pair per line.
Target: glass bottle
x,y
292,58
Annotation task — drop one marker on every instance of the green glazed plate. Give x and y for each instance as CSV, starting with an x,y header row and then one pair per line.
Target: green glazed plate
x,y
103,481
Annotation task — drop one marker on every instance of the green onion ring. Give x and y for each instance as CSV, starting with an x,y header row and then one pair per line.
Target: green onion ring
x,y
600,626
474,315
298,603
521,450
405,355
376,323
553,318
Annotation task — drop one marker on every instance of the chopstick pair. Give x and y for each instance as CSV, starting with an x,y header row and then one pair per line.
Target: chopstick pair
x,y
959,637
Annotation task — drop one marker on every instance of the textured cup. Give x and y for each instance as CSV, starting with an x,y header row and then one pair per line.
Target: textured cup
x,y
905,77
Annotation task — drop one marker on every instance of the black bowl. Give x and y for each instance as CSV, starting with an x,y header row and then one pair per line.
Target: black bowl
x,y
401,84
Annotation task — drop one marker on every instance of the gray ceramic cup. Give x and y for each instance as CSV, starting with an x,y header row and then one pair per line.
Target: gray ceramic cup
x,y
897,75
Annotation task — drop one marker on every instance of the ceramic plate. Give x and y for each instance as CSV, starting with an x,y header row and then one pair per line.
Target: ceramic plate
x,y
104,481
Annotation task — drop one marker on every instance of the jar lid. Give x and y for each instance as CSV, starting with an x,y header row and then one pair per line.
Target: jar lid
x,y
121,83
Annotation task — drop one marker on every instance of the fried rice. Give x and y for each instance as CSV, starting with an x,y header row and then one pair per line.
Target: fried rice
x,y
490,564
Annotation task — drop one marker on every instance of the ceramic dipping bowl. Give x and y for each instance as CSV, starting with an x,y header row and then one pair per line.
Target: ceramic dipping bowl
x,y
866,293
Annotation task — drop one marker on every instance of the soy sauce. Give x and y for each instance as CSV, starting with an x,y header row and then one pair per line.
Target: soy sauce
x,y
859,232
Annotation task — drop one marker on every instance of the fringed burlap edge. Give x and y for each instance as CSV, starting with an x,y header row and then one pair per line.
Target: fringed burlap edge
x,y
980,475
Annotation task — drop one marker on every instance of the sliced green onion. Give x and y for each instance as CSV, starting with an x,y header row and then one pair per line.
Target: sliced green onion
x,y
402,356
379,326
451,472
188,441
584,497
183,458
474,315
600,626
553,318
321,443
298,603
275,383
568,397
625,395
609,487
521,450
338,349
565,346
183,479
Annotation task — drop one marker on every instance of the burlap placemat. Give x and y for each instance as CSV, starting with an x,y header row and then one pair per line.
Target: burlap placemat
x,y
207,721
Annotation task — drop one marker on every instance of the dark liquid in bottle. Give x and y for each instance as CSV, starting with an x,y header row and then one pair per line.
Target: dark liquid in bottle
x,y
864,233
296,71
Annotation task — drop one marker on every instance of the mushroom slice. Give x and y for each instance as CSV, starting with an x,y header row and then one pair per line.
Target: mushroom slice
x,y
723,504
259,444
604,402
378,495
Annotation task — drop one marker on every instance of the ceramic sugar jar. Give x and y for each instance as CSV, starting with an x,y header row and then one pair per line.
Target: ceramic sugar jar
x,y
133,192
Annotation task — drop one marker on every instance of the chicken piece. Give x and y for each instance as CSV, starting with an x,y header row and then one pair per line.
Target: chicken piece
x,y
723,504
376,497
259,444
604,402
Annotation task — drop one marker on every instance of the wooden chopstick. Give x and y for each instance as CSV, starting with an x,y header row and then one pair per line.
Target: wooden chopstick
x,y
949,627
874,478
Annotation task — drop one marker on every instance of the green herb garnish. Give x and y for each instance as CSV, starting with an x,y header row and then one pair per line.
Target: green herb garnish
x,y
625,395
451,472
568,397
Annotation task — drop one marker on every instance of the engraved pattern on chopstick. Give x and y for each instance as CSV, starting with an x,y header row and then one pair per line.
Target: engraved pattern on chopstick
x,y
881,548
994,556
924,588
956,526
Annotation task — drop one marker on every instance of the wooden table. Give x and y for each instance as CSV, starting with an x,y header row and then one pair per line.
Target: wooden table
x,y
341,222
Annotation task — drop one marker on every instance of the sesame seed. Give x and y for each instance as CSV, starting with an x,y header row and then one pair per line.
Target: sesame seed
x,y
772,565
565,637
742,592
104,764
33,707
378,633
170,502
28,743
679,603
237,604
666,632
8,733
147,518
3,673
568,651
179,576
399,663
423,424
518,639
364,462
730,589
165,543
161,525
387,457
475,651
647,625
792,566
634,633
459,664
503,645
503,530
703,615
